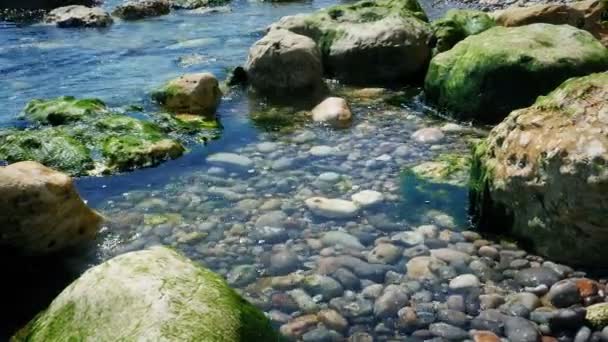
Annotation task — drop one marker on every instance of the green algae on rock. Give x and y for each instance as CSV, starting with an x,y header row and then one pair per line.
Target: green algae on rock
x,y
190,93
541,174
54,147
487,75
152,295
354,38
62,110
458,24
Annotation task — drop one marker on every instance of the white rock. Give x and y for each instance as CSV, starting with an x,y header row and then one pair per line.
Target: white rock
x,y
333,110
267,147
429,135
329,177
323,151
332,207
464,281
230,160
367,198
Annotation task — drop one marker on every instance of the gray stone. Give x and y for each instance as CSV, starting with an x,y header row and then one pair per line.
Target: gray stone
x,y
521,330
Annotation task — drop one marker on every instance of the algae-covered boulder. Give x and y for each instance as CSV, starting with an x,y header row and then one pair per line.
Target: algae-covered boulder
x,y
284,64
541,174
63,110
456,25
53,147
149,295
41,211
383,41
191,93
487,75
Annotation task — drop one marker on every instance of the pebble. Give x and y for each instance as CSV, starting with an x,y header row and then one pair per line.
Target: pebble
x,y
267,147
408,239
535,276
464,281
333,320
367,198
230,160
283,262
384,253
325,286
423,267
323,151
332,207
450,255
329,177
564,294
521,330
339,238
428,135
305,302
389,303
448,332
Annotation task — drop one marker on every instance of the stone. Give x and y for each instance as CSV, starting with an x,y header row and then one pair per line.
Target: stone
x,y
140,9
564,294
197,93
275,218
329,177
597,315
325,286
423,267
43,4
464,282
356,266
230,160
367,198
520,329
322,151
545,151
242,275
304,301
334,111
408,239
79,16
153,294
332,319
283,63
62,110
352,307
451,255
283,262
429,135
41,211
452,317
456,25
353,37
533,55
448,332
485,336
340,238
299,326
332,207
384,253
390,302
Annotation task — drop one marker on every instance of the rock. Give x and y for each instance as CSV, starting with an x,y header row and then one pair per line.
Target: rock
x,y
520,329
42,211
333,320
325,286
283,63
304,301
367,198
564,294
334,111
567,320
423,267
62,110
390,302
448,332
332,207
283,262
323,151
153,294
353,37
597,315
532,277
408,239
274,218
242,275
362,269
464,282
456,25
352,307
488,252
329,177
140,9
451,255
557,14
43,4
546,151
299,326
190,93
452,317
485,336
384,253
534,53
528,300
78,16
230,160
339,238
429,135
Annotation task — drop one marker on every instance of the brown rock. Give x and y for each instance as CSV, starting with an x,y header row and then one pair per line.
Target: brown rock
x,y
334,111
299,326
191,93
332,320
485,336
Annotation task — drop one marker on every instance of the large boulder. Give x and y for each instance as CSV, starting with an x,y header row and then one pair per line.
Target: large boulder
x,y
283,63
41,211
191,93
140,9
43,4
458,24
384,41
589,15
62,110
149,295
487,75
541,174
79,16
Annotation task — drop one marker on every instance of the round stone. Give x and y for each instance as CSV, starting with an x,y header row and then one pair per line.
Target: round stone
x,y
465,281
367,198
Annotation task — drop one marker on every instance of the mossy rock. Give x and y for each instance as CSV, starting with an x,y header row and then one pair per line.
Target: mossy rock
x,y
458,24
597,315
541,174
485,76
439,184
63,110
53,147
276,118
149,295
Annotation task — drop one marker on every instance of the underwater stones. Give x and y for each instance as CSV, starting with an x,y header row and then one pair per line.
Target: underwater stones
x,y
334,111
332,207
541,173
79,16
384,253
41,211
334,238
153,294
283,63
353,37
464,282
196,4
428,135
367,198
458,24
423,267
231,160
62,110
140,9
43,4
487,75
191,93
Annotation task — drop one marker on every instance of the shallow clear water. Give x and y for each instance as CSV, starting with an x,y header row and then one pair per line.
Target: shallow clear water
x,y
212,214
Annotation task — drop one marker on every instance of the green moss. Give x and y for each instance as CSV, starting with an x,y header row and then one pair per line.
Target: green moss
x,y
278,118
487,75
456,25
597,315
62,110
53,147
